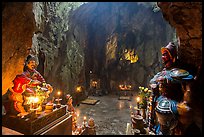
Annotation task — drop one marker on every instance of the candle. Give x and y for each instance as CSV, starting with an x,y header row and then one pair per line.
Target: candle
x,y
84,118
131,112
34,102
58,93
138,99
58,99
84,123
78,89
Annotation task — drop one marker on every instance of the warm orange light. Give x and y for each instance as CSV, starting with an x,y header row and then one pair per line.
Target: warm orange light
x,y
58,93
120,106
130,107
75,118
138,99
33,100
78,89
84,118
94,83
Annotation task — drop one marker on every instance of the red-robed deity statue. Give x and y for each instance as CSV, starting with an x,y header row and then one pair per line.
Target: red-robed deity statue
x,y
26,85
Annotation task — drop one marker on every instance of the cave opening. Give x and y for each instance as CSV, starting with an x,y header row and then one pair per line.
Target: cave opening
x,y
100,57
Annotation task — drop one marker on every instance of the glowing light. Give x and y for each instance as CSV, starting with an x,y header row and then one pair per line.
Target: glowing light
x,y
78,89
84,118
94,83
130,55
125,87
34,103
138,99
120,106
33,100
38,87
58,93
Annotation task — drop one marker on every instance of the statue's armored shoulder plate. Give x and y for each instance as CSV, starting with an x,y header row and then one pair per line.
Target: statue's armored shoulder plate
x,y
180,74
166,106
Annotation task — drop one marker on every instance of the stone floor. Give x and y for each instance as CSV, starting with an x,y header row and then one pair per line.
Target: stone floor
x,y
110,114
7,131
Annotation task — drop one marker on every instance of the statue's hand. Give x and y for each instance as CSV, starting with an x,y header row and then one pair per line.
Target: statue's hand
x,y
49,87
183,108
22,114
35,82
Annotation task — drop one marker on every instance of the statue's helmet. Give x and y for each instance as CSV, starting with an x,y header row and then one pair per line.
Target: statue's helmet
x,y
30,57
171,50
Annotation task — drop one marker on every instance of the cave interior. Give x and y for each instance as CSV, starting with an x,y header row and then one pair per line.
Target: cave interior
x,y
107,51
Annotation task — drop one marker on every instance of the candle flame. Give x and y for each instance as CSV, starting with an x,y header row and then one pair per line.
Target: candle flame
x,y
138,99
36,99
84,117
58,93
120,106
78,89
33,100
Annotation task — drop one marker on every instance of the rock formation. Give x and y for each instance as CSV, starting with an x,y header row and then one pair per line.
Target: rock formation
x,y
109,29
186,18
18,25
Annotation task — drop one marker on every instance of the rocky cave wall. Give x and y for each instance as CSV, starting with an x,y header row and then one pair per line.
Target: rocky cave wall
x,y
18,25
54,42
111,27
60,46
186,18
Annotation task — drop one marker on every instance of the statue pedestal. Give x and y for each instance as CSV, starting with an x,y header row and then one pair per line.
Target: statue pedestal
x,y
57,122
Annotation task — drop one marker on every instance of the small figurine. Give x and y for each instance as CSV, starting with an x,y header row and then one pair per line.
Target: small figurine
x,y
74,122
70,106
49,107
78,130
91,127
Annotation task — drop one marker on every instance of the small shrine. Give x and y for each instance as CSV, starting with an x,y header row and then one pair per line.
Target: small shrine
x,y
125,91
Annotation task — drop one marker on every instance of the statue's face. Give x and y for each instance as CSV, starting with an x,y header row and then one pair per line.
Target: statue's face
x,y
166,59
31,64
161,88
